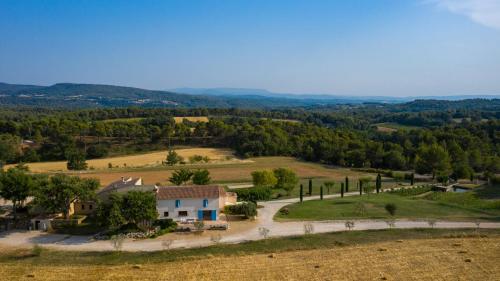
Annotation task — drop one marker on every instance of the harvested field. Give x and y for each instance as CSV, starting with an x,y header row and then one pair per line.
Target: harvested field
x,y
140,160
202,119
421,259
385,129
233,172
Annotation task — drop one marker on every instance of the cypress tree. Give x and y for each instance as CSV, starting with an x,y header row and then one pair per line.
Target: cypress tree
x,y
360,187
346,184
342,190
378,184
310,187
301,193
321,192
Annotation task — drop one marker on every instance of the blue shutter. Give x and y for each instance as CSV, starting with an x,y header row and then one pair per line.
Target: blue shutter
x,y
177,203
214,215
200,214
205,203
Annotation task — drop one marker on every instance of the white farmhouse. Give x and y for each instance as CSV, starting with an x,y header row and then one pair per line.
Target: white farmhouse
x,y
192,202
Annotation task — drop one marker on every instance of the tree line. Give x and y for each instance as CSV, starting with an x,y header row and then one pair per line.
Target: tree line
x,y
458,150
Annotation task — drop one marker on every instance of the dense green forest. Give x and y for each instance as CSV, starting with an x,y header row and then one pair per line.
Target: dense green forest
x,y
457,139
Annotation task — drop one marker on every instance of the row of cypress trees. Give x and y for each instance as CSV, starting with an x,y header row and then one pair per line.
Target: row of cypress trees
x,y
344,187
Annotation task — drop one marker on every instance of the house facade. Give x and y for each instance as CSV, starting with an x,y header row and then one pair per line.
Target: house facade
x,y
192,203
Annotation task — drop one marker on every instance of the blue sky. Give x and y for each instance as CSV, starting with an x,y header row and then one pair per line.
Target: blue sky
x,y
372,47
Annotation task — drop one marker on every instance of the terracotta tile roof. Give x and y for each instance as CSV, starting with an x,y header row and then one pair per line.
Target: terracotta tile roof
x,y
189,191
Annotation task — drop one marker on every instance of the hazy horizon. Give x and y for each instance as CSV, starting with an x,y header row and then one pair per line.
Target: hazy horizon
x,y
411,48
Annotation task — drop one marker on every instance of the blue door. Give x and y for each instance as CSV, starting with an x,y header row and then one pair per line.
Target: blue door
x,y
214,215
200,215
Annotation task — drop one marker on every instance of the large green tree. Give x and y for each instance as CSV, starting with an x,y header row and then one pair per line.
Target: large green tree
x,y
286,179
15,185
201,177
9,148
76,160
173,158
433,159
139,206
181,176
264,178
58,192
109,212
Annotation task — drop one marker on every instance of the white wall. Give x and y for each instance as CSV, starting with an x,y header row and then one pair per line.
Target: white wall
x,y
191,205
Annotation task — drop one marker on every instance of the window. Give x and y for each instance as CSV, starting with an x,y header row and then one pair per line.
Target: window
x,y
177,203
165,214
90,207
183,213
205,203
83,207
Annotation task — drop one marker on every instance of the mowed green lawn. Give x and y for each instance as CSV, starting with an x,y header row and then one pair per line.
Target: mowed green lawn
x,y
373,207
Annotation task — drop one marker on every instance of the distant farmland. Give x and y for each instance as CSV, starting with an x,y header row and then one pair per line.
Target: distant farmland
x,y
139,160
202,119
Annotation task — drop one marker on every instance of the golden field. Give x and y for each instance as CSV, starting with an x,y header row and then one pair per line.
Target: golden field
x,y
224,167
202,119
139,160
419,259
230,171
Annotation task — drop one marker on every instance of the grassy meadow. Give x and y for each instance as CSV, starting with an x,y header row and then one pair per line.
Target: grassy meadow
x,y
435,205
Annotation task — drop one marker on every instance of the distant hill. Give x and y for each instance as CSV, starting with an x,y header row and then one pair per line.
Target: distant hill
x,y
71,95
238,92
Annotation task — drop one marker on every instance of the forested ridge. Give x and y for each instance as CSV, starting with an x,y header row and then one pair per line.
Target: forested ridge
x,y
453,141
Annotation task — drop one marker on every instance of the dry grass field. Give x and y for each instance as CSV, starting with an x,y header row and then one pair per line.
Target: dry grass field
x,y
385,129
140,160
202,119
231,172
420,259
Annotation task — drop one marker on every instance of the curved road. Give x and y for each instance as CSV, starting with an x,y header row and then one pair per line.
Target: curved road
x,y
265,219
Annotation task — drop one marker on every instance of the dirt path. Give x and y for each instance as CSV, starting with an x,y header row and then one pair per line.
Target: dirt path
x,y
242,234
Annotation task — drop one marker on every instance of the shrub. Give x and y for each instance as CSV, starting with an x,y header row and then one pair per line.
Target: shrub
x,y
349,225
254,194
117,241
247,209
308,228
36,251
391,208
201,177
165,225
264,232
173,158
284,211
199,225
195,159
412,191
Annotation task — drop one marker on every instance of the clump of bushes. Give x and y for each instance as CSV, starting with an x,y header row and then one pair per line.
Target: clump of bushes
x,y
165,226
247,209
391,208
254,194
284,211
412,191
198,158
